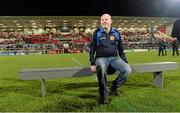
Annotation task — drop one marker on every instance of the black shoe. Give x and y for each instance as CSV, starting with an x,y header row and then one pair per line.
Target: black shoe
x,y
104,100
115,92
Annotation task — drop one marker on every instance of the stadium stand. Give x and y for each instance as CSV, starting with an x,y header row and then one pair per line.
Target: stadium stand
x,y
25,35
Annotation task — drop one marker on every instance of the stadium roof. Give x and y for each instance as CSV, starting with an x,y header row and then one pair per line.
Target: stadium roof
x,y
35,22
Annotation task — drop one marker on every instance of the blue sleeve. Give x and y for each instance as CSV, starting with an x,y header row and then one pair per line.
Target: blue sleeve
x,y
92,50
121,49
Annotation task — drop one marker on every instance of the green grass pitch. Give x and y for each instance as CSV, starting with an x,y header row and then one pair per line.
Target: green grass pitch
x,y
79,94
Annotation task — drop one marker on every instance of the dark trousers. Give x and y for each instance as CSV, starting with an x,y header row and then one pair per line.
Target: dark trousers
x,y
175,50
161,51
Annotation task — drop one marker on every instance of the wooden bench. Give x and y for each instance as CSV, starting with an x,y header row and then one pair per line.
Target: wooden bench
x,y
156,68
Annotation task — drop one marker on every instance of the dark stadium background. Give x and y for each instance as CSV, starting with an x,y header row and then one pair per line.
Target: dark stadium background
x,y
157,8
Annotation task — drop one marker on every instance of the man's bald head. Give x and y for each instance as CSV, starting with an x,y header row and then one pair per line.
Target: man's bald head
x,y
106,16
106,21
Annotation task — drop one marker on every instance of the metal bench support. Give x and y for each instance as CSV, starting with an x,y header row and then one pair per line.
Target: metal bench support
x,y
158,79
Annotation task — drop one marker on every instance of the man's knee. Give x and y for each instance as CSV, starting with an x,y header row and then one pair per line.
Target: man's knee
x,y
128,70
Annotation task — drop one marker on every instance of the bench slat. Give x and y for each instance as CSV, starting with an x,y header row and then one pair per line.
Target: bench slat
x,y
32,74
154,67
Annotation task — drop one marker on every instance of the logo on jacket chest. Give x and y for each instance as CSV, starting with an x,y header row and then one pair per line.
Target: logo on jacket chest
x,y
112,38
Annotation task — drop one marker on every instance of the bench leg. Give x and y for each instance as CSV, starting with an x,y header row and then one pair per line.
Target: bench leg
x,y
43,87
158,79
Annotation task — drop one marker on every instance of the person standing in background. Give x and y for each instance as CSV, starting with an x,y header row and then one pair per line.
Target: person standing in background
x,y
176,34
164,46
161,47
175,45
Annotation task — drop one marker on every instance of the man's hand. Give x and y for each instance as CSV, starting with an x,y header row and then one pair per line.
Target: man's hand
x,y
93,68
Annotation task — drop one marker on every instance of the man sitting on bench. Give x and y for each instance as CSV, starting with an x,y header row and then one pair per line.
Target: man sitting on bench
x,y
105,44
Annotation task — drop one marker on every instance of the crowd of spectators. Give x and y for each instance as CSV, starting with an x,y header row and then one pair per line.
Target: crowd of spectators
x,y
50,41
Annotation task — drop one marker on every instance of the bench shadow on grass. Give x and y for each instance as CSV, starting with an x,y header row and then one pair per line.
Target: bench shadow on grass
x,y
30,88
71,104
33,88
75,97
86,100
132,85
80,87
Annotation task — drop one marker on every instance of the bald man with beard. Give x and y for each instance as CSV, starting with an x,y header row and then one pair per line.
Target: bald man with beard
x,y
103,54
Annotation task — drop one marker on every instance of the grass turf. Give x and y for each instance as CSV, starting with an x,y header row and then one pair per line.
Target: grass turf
x,y
81,93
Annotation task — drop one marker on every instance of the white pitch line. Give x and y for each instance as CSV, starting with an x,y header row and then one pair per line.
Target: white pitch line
x,y
76,61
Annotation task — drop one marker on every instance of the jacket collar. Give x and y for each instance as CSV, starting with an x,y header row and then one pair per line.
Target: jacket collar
x,y
103,31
